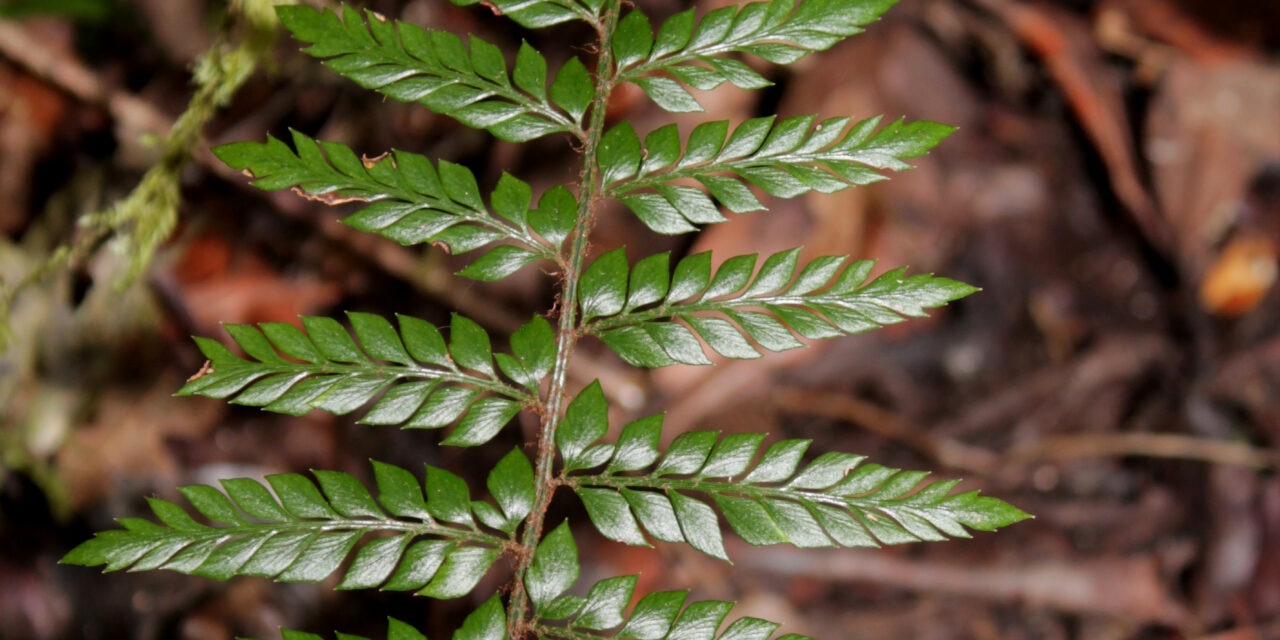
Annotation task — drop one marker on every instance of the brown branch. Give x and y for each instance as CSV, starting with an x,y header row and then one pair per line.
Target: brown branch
x,y
69,75
1261,631
1126,587
1046,391
942,449
1075,64
1148,445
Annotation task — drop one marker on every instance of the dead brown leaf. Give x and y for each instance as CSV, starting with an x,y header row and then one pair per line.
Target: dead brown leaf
x,y
1240,277
1210,131
331,199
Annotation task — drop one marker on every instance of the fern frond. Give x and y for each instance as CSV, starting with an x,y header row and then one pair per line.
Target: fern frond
x,y
662,615
835,500
784,158
693,51
535,14
396,630
409,200
466,81
424,383
430,536
303,534
653,318
488,622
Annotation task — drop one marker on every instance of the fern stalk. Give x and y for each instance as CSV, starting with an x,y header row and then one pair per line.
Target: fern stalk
x,y
567,331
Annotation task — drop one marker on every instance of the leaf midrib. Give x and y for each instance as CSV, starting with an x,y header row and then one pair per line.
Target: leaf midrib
x,y
379,191
250,529
715,166
866,502
395,372
846,301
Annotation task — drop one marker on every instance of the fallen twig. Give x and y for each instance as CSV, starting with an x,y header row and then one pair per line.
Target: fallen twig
x,y
1128,587
941,449
1148,445
1112,361
69,75
1263,631
1074,64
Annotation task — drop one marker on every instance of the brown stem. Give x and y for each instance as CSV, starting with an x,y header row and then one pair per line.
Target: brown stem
x,y
567,331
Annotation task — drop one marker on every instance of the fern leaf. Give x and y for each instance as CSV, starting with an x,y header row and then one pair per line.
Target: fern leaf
x,y
694,51
654,317
420,382
662,615
657,616
296,532
554,568
835,500
784,158
467,81
408,199
488,622
535,14
396,630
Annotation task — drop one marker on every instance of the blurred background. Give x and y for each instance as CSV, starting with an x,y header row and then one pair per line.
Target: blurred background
x,y
1114,188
